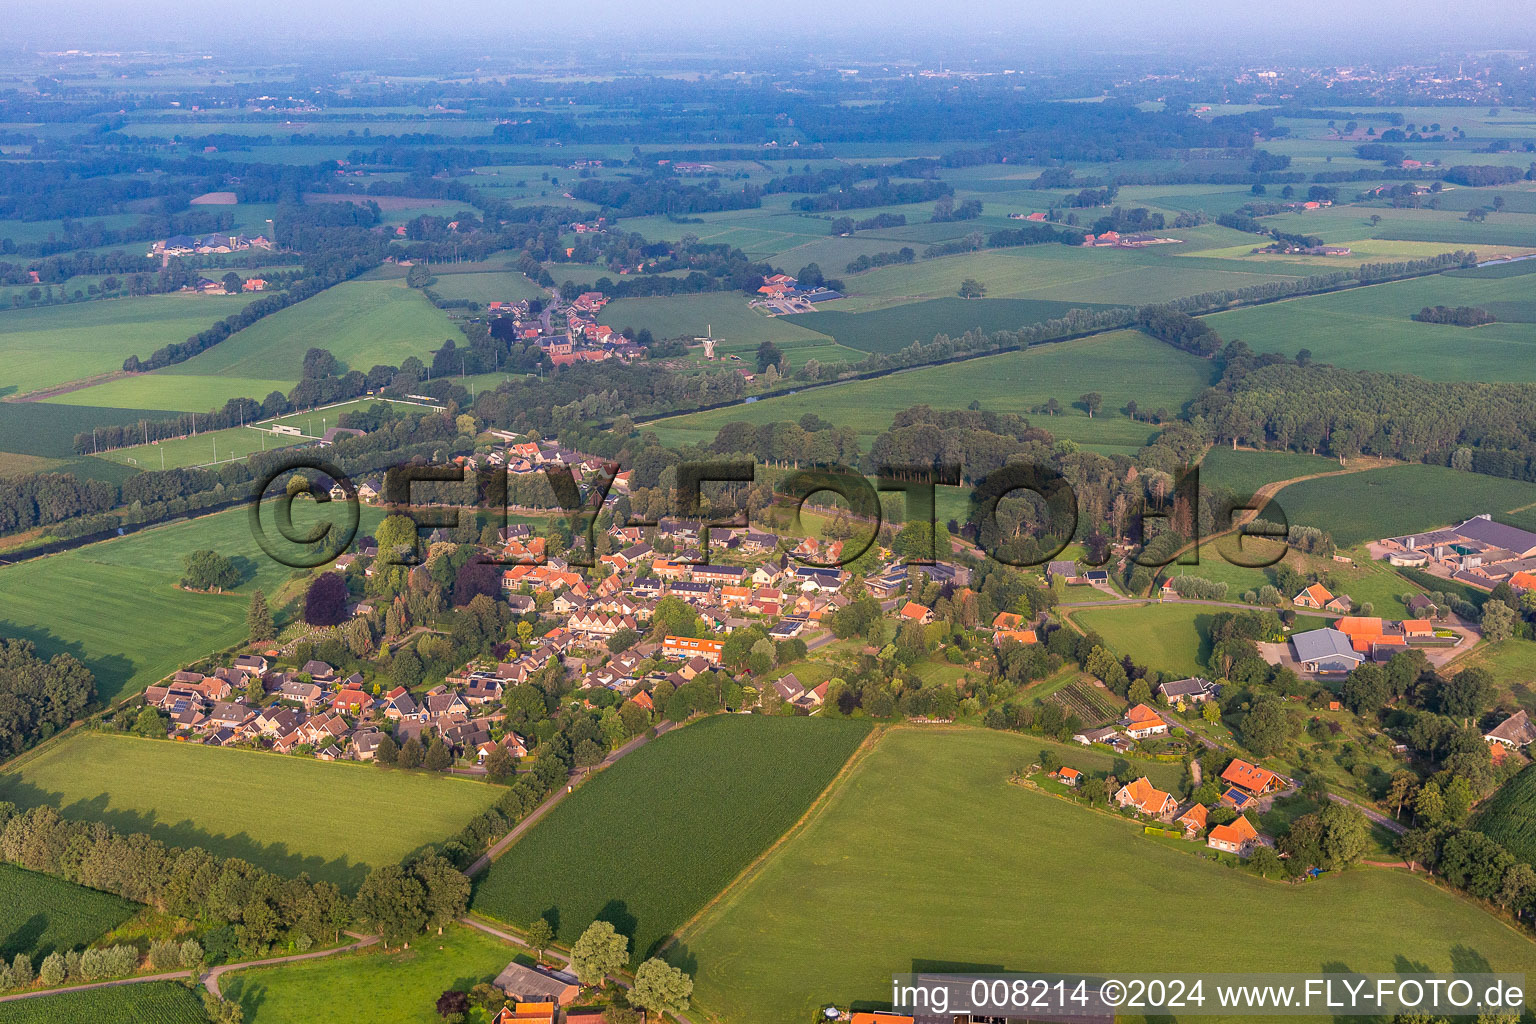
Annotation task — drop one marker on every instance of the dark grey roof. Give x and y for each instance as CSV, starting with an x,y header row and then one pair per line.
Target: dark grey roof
x,y
1186,687
1321,644
1497,534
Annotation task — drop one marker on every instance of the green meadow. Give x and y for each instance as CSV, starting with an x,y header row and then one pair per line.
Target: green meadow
x,y
49,345
1121,366
1371,328
1403,499
926,858
115,604
682,817
175,392
362,323
334,820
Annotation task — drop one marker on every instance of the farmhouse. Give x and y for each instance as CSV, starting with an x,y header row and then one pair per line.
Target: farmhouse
x,y
537,984
1514,732
914,612
1147,799
1141,722
1065,571
1194,820
1321,598
1068,776
1194,690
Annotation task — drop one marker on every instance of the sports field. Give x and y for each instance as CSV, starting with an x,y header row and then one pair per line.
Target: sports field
x,y
925,856
115,604
49,345
398,987
153,1002
228,445
37,428
361,323
667,827
1121,366
334,820
1402,499
40,914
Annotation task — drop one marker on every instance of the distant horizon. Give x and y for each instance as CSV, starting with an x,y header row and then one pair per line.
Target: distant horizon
x,y
1343,31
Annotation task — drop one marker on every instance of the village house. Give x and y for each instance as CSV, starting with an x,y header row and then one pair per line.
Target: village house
x,y
1142,722
1194,690
1320,598
1194,820
682,648
1514,732
1146,799
1252,778
1238,837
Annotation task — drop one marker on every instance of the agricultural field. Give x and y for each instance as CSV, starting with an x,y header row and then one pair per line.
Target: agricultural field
x,y
1396,500
1092,706
1122,366
1512,664
152,1002
109,603
486,287
292,814
695,807
1371,328
50,345
40,914
1509,816
362,323
1245,471
1172,637
895,327
38,428
141,392
399,986
897,900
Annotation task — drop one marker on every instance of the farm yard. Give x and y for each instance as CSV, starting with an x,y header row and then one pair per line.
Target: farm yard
x,y
154,1002
40,914
286,814
697,806
895,905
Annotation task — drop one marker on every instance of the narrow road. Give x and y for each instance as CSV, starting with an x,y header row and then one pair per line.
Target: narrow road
x,y
484,861
168,976
1385,821
210,980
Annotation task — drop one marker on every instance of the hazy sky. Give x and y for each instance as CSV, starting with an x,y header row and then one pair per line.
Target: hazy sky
x,y
1336,25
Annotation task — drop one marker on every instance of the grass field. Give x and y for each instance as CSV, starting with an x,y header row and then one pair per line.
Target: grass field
x,y
1512,663
115,604
895,327
362,323
40,914
926,858
1399,499
726,316
153,1002
164,390
53,344
398,987
667,828
1244,471
1371,328
1169,637
1122,365
486,286
1364,581
288,814
228,445
37,428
